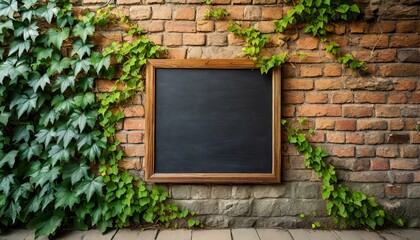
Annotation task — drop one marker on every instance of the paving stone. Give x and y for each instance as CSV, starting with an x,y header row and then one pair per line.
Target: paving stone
x,y
179,234
127,234
389,236
358,235
410,234
274,234
303,234
23,234
71,235
87,235
211,235
244,234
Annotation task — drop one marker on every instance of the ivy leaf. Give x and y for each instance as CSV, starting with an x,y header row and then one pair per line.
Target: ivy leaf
x,y
12,210
21,191
27,15
354,8
34,204
343,8
29,31
81,65
83,31
75,172
100,62
65,106
42,53
19,46
46,223
81,49
57,153
65,198
49,117
85,83
36,80
24,103
8,8
28,3
45,136
92,151
63,82
78,120
48,11
58,65
4,117
22,132
44,175
56,37
90,187
66,135
27,151
9,158
84,100
5,182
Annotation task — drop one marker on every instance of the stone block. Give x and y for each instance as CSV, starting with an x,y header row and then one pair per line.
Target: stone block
x,y
307,190
413,191
234,208
211,235
198,206
271,191
200,192
220,191
242,222
179,234
273,234
241,192
245,234
181,191
124,234
271,207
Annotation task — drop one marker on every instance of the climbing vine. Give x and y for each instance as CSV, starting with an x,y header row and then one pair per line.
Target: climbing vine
x,y
349,208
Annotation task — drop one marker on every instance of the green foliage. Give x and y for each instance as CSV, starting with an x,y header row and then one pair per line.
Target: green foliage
x,y
208,2
349,208
217,13
347,60
50,134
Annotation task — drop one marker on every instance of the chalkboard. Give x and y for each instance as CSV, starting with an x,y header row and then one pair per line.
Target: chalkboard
x,y
211,121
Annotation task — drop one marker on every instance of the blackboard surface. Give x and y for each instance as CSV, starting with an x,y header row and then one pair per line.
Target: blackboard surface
x,y
213,121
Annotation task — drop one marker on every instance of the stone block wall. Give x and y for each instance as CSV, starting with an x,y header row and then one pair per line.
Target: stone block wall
x,y
366,122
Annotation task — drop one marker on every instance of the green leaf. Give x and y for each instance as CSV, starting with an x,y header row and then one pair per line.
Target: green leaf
x,y
81,65
84,100
8,8
354,8
65,198
90,187
48,117
66,135
56,37
46,223
29,31
343,8
75,172
27,15
83,31
28,3
19,46
81,49
5,182
48,11
58,65
57,153
44,175
100,62
42,53
9,158
37,81
24,103
63,82
22,132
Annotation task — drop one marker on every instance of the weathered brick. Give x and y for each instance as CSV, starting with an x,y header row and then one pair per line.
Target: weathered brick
x,y
369,97
107,38
217,39
342,97
388,111
265,26
387,151
134,111
201,11
134,123
396,124
379,164
374,41
316,137
120,2
354,138
382,27
409,55
336,137
121,137
357,111
322,123
157,38
235,40
317,98
404,84
358,27
345,125
236,13
252,13
132,163
172,39
407,26
400,70
328,84
184,13
415,97
134,150
374,138
220,2
298,84
271,13
241,1
192,39
135,137
365,152
397,97
177,53
288,111
371,124
151,26
310,72
180,26
205,26
309,110
410,111
140,12
332,70
293,98
406,40
162,12
398,138
308,43
377,56
395,191
343,151
410,151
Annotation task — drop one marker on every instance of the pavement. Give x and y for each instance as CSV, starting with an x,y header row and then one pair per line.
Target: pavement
x,y
226,234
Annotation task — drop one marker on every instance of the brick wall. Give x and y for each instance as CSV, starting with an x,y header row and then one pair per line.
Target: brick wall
x,y
365,122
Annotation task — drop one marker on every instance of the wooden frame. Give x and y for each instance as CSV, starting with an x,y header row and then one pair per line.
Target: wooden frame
x,y
150,175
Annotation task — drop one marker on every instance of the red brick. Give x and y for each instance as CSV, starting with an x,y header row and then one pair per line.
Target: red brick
x,y
252,13
396,124
410,123
406,40
343,151
342,97
388,111
400,70
271,13
134,123
397,97
107,38
358,27
354,138
388,55
241,1
140,12
387,152
328,84
310,71
132,163
415,97
191,39
316,137
371,124
379,164
308,43
205,26
235,40
104,85
293,98
172,39
321,123
309,110
395,191
369,97
396,138
407,26
382,27
357,111
298,84
184,13
415,137
405,85
374,41
217,2
134,111
332,70
177,53
121,137
236,12
410,151
134,150
289,71
287,111
180,26
157,38
151,26
345,125
202,11
135,137
368,176
374,138
162,12
217,39
336,137
365,152
317,98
